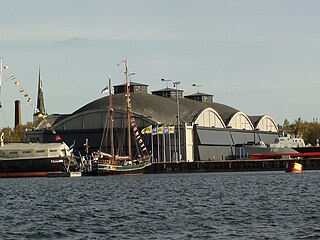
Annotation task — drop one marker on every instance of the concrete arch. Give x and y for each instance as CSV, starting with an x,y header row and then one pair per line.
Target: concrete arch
x,y
267,123
240,120
209,118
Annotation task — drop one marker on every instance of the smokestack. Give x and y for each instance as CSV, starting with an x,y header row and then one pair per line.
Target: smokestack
x,y
17,113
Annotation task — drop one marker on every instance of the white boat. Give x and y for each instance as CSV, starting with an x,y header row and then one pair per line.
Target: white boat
x,y
34,159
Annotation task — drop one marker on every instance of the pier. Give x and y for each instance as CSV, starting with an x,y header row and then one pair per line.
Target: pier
x,y
230,166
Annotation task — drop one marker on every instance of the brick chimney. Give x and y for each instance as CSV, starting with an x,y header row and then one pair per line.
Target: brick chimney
x,y
17,113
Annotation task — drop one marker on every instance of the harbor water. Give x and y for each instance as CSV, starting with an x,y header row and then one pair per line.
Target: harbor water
x,y
254,205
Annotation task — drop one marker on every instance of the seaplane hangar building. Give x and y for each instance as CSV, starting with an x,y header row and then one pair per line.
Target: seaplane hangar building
x,y
208,130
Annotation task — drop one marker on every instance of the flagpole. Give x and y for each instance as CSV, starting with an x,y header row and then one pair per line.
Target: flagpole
x,y
169,145
152,157
164,144
158,140
175,145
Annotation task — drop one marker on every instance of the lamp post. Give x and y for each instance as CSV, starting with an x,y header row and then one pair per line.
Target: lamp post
x,y
197,85
131,74
176,84
254,135
166,80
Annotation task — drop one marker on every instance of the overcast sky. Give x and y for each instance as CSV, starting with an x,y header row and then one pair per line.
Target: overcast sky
x,y
261,57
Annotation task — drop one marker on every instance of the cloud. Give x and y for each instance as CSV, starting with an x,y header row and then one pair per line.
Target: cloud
x,y
72,40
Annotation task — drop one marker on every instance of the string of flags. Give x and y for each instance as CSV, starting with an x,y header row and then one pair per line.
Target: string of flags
x,y
25,94
16,82
137,133
158,130
57,136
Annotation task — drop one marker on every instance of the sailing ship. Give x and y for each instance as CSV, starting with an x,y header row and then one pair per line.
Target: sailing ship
x,y
112,163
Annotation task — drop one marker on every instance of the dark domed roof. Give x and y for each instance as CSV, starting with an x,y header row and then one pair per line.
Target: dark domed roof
x,y
159,109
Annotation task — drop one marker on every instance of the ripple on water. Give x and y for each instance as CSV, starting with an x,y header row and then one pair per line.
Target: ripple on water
x,y
266,205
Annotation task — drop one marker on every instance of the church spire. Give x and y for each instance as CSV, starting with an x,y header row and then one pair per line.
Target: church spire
x,y
40,99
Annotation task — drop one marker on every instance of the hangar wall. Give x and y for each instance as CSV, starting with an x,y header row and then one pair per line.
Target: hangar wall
x,y
219,144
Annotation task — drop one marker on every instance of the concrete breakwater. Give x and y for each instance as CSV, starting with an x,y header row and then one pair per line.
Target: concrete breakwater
x,y
230,166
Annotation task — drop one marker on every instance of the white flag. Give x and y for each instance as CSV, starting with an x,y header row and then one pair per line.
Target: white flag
x,y
104,90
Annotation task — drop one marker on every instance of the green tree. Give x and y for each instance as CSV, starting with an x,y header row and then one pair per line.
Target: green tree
x,y
16,134
309,131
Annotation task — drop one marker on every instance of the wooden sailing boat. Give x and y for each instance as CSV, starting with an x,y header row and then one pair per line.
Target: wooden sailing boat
x,y
110,163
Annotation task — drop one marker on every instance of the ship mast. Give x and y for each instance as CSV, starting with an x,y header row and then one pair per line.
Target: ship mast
x,y
111,120
128,107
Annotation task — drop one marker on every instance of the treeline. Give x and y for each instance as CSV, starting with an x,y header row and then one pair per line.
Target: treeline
x,y
309,131
16,134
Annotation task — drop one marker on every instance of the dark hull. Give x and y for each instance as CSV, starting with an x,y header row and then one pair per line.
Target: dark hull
x,y
315,150
275,153
31,167
268,152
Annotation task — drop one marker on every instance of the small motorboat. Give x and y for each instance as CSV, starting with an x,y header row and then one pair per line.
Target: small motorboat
x,y
294,167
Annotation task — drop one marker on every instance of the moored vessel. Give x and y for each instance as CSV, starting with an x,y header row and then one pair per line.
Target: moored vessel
x,y
112,163
283,147
34,159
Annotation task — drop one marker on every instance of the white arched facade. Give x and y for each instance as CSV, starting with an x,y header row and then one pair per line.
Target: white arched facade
x,y
266,123
240,121
209,118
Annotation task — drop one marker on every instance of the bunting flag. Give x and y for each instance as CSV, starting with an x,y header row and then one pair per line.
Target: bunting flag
x,y
16,82
137,134
104,90
155,129
58,138
147,130
165,130
171,129
162,130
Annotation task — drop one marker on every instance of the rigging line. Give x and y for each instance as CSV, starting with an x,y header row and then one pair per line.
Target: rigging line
x,y
104,134
138,149
122,137
122,134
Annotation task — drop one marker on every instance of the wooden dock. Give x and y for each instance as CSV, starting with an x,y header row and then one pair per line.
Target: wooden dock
x,y
230,166
64,174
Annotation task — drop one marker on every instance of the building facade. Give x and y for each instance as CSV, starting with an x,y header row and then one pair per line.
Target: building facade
x,y
208,130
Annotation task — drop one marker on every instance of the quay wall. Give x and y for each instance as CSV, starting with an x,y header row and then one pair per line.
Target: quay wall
x,y
230,166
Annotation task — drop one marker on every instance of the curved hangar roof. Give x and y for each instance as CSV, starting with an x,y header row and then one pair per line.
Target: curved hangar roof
x,y
161,110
